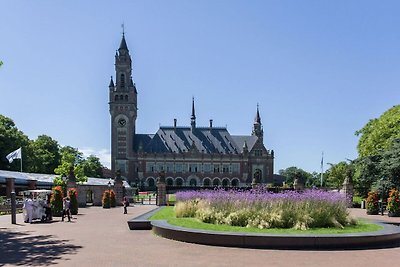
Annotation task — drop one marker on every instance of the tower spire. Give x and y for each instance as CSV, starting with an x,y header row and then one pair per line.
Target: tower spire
x,y
123,45
257,126
193,117
258,118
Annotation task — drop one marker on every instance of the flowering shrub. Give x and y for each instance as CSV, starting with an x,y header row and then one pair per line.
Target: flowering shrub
x,y
393,202
262,209
73,198
372,203
106,200
56,201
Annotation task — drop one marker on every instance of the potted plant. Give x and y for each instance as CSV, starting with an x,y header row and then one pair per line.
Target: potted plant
x,y
393,203
56,201
372,203
73,196
106,201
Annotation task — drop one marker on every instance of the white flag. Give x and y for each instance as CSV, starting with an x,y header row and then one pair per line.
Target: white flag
x,y
17,154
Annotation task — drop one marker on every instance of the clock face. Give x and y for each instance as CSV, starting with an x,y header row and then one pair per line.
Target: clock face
x,y
122,122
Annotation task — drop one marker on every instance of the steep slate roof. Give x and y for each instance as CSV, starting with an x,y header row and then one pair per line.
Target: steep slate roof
x,y
123,44
181,139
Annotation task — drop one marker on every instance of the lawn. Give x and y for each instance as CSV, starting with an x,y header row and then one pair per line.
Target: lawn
x,y
168,214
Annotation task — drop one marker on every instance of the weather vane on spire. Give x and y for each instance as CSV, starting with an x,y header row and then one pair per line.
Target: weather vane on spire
x,y
123,28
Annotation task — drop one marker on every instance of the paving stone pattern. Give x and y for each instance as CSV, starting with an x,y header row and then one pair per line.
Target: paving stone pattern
x,y
101,237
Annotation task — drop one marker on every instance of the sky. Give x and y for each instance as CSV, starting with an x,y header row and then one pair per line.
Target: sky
x,y
320,70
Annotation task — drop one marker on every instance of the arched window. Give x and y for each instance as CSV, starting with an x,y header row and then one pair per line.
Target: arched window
x,y
257,176
170,182
216,182
121,97
193,182
126,98
122,81
235,183
225,182
206,182
151,183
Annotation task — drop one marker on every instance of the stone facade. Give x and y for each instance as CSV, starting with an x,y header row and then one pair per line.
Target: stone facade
x,y
189,156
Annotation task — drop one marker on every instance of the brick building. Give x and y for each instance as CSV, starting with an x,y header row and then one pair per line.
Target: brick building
x,y
189,156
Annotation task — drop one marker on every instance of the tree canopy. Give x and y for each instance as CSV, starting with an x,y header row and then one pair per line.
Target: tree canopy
x,y
337,173
379,134
44,155
291,173
11,139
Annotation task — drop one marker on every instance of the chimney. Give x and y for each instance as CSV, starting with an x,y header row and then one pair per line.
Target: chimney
x,y
211,123
174,124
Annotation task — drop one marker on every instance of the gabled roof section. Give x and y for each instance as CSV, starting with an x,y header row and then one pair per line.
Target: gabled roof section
x,y
249,139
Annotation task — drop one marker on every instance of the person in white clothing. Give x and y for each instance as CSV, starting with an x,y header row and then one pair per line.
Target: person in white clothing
x,y
29,209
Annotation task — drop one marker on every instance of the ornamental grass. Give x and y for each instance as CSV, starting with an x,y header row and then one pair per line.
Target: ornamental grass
x,y
262,209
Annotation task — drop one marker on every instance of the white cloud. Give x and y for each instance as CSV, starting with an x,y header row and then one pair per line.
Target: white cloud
x,y
103,154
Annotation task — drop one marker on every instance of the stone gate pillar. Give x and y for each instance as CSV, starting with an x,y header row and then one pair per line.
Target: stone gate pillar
x,y
118,189
161,190
347,189
71,179
298,185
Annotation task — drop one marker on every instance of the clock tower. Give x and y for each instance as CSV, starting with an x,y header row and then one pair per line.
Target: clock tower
x,y
123,110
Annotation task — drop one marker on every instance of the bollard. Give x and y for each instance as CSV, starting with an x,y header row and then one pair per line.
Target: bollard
x,y
13,208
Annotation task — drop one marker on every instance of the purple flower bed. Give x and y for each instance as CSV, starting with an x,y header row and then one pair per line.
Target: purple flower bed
x,y
262,209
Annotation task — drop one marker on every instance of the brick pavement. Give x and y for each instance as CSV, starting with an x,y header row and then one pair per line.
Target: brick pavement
x,y
99,237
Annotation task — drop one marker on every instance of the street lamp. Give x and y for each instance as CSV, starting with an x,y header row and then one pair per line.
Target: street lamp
x,y
109,190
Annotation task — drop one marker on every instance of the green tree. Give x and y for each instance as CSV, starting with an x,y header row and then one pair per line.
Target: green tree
x,y
336,174
379,134
390,164
71,157
46,156
292,172
92,167
11,139
313,180
367,171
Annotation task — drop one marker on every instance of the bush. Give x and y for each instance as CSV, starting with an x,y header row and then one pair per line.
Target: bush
x,y
56,201
393,202
372,203
106,200
73,197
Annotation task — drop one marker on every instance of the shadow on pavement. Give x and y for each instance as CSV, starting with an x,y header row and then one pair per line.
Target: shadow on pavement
x,y
37,250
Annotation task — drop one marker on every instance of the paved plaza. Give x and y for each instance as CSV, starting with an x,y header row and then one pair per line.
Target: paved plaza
x,y
100,237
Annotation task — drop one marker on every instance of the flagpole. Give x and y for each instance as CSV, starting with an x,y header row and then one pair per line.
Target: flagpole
x,y
322,167
21,159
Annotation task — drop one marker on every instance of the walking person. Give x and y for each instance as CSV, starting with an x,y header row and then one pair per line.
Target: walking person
x,y
125,202
66,210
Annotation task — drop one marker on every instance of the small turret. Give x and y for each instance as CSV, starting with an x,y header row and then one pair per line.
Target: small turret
x,y
111,85
257,126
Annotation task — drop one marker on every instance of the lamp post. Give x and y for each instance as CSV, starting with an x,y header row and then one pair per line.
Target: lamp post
x,y
109,191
